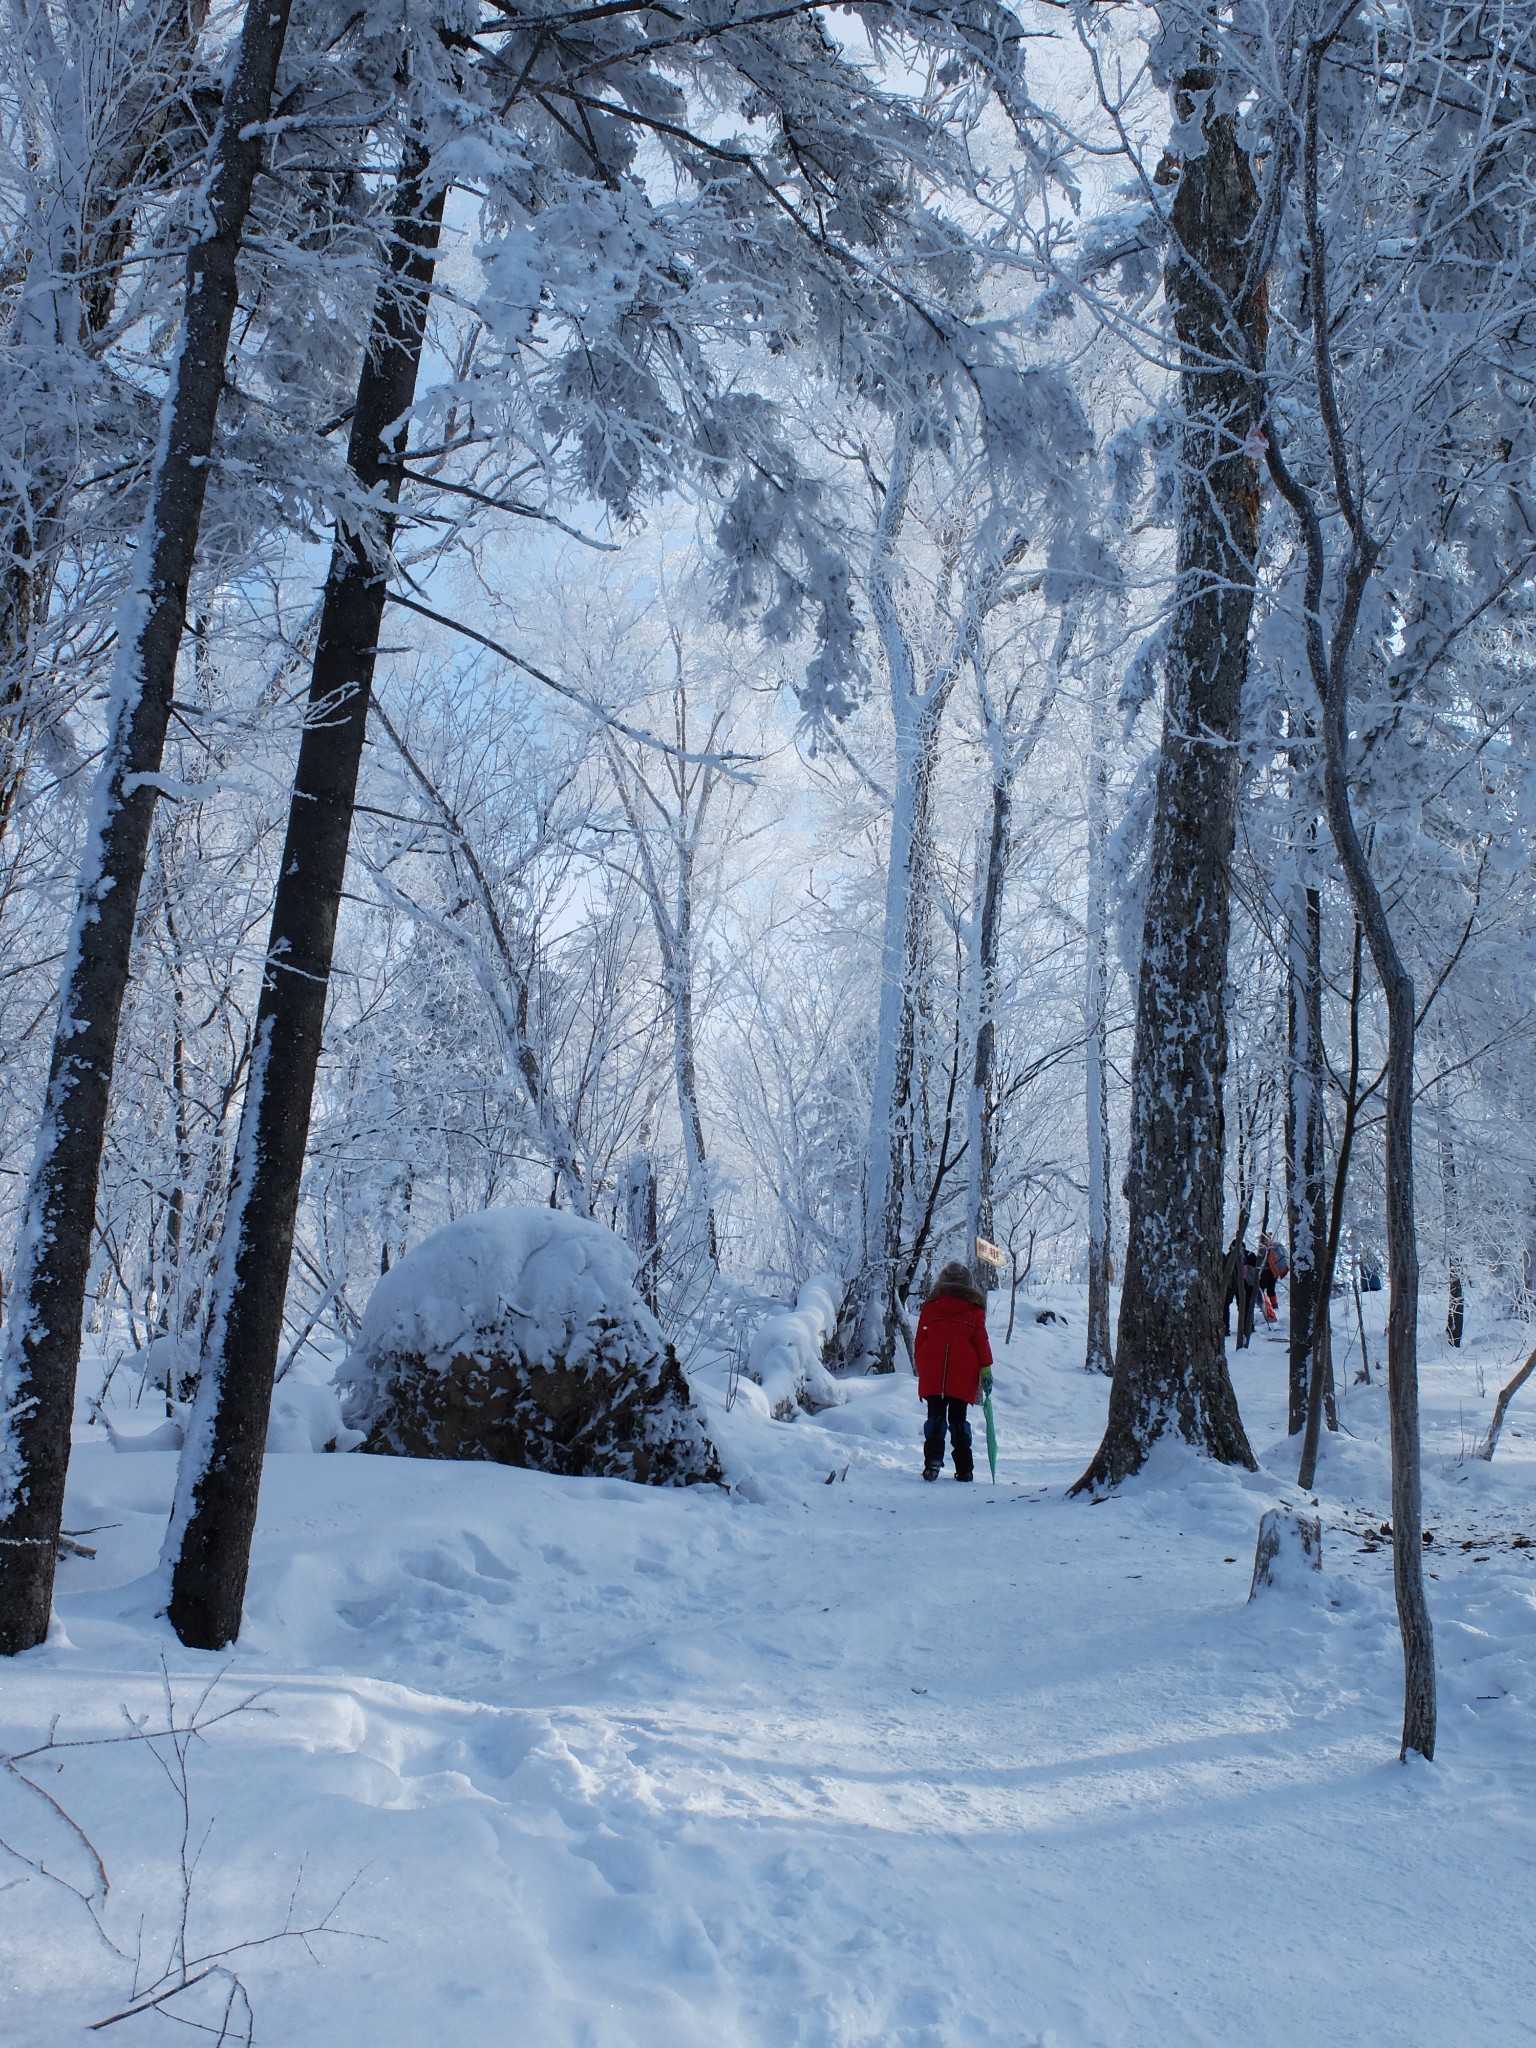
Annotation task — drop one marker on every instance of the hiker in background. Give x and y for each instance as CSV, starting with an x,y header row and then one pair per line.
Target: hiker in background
x,y
953,1360
1273,1267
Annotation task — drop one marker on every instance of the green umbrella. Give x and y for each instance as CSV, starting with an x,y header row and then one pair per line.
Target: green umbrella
x,y
986,1404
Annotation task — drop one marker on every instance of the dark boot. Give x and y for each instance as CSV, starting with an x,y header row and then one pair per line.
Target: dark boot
x,y
933,1440
960,1441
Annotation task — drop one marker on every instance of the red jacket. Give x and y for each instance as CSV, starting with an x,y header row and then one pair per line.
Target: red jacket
x,y
951,1348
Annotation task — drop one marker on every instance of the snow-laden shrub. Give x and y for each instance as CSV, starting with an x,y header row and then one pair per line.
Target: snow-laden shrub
x,y
517,1335
787,1356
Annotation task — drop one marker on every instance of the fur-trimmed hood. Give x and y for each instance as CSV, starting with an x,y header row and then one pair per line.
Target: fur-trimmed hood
x,y
957,1279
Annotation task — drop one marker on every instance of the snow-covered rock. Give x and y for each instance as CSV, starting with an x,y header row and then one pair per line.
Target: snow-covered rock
x,y
787,1355
517,1335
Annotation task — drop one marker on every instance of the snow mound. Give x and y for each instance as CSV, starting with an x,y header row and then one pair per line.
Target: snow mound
x,y
786,1356
305,1413
133,1433
306,1416
517,1335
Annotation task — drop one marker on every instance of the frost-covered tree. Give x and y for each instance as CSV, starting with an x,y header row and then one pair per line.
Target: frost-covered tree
x,y
101,135
42,1336
1389,423
1170,1366
707,247
971,488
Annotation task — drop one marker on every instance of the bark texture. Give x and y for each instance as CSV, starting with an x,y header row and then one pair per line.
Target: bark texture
x,y
872,1311
1100,1355
42,1343
215,1515
1455,1288
1170,1363
981,1101
1320,1386
1419,1708
1306,1191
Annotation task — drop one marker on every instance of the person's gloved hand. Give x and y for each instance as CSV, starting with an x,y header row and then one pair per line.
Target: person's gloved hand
x,y
986,1381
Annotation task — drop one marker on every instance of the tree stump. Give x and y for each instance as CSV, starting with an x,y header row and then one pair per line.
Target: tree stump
x,y
1289,1545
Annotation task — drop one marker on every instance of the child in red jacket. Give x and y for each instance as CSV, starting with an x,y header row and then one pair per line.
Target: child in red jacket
x,y
950,1357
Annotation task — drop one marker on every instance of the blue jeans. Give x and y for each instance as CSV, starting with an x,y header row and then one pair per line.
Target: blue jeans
x,y
953,1412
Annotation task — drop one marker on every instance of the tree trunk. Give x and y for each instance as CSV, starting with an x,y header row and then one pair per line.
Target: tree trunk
x,y
872,1306
876,1291
640,1225
1008,755
1506,1394
1306,1197
1320,1392
979,1106
1100,1352
42,1345
173,1276
1328,654
216,1496
1170,1361
678,962
1402,1343
1456,1301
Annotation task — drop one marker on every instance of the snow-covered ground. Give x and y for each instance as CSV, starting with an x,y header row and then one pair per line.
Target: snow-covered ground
x,y
837,1759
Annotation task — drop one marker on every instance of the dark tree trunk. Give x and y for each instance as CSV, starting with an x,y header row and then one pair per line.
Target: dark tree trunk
x,y
172,1274
215,1514
1455,1314
1099,1354
1456,1298
1231,1273
1320,1395
1419,1714
1170,1361
42,1348
1306,1197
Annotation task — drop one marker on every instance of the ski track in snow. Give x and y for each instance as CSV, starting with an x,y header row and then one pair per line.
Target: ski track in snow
x,y
847,1764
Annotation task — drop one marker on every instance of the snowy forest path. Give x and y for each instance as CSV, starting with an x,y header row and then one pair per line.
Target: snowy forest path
x,y
842,1759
